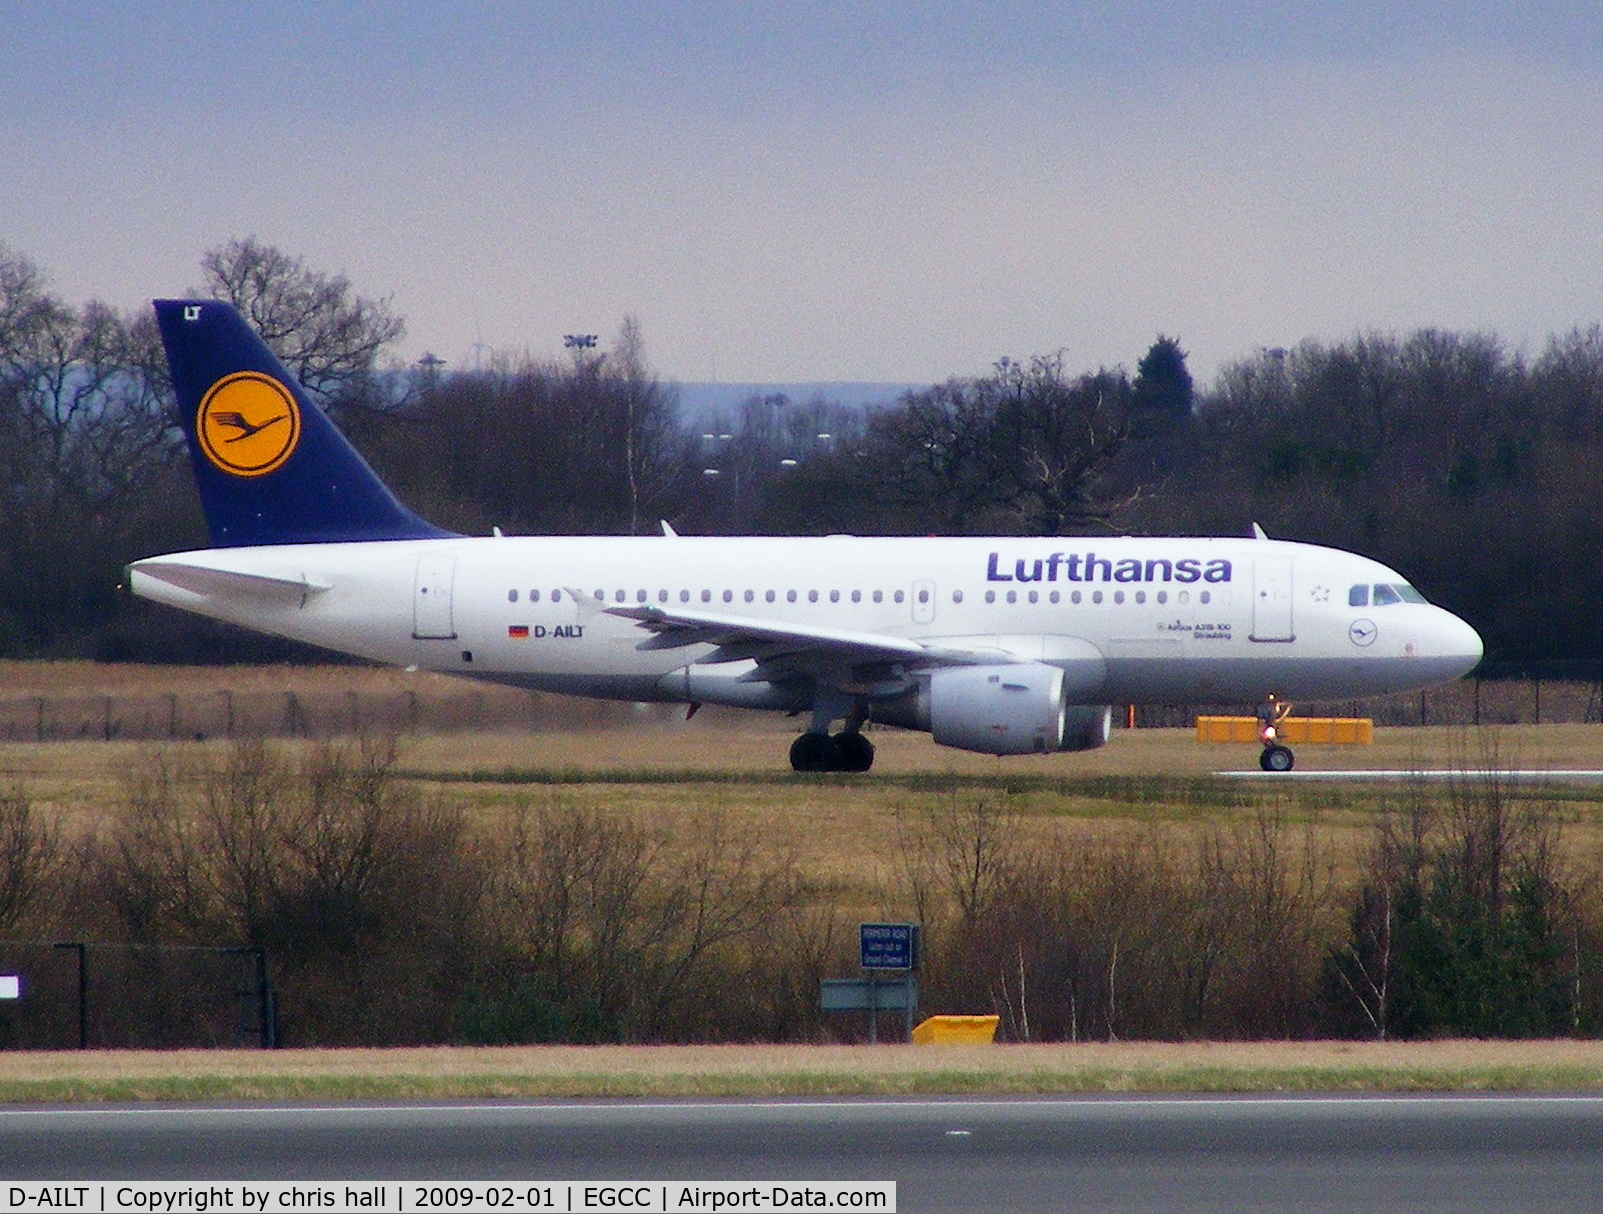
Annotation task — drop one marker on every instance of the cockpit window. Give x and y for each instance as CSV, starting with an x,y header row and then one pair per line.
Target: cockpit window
x,y
1383,595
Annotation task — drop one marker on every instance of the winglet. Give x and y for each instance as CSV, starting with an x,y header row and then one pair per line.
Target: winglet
x,y
270,466
668,533
1258,533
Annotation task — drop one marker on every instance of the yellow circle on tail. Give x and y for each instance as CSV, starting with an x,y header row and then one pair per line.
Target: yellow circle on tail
x,y
249,424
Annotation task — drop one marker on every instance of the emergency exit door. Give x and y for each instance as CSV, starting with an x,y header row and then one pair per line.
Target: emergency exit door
x,y
1271,599
432,617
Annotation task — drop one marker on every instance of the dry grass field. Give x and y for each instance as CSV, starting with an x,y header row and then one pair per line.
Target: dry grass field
x,y
846,834
649,762
577,1072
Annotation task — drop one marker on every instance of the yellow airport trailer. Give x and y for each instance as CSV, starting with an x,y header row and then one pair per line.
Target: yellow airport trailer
x,y
956,1030
1313,731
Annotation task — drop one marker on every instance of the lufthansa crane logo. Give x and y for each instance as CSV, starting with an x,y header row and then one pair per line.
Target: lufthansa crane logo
x,y
249,424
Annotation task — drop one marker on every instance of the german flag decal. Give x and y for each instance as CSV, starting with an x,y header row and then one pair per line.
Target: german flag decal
x,y
518,632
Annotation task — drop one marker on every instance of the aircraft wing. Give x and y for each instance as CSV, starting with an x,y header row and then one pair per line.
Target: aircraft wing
x,y
784,650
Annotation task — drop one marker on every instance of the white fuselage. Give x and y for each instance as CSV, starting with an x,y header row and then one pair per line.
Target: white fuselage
x,y
1172,620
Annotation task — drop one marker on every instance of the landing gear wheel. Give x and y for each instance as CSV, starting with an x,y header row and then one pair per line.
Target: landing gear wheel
x,y
813,752
1276,758
854,752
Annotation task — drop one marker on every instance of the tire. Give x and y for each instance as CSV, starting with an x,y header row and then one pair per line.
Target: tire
x,y
854,752
1276,758
813,752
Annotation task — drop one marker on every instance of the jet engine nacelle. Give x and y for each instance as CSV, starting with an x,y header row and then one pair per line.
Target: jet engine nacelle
x,y
1011,709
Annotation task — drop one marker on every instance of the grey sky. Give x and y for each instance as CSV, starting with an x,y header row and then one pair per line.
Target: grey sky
x,y
851,191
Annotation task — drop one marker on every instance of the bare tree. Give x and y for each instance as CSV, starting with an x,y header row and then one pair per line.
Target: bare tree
x,y
30,854
326,334
86,451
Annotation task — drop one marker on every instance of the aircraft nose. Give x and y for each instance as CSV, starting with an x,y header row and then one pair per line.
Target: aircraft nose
x,y
1458,646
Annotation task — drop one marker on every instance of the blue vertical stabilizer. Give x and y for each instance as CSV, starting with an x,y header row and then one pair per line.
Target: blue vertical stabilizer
x,y
270,466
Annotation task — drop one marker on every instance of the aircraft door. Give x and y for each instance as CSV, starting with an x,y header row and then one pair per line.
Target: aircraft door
x,y
432,617
1271,599
923,602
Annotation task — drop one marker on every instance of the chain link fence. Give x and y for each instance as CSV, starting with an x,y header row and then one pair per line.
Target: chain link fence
x,y
76,994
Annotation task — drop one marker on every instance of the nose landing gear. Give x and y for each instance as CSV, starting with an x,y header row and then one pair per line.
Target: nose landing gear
x,y
1270,713
1276,757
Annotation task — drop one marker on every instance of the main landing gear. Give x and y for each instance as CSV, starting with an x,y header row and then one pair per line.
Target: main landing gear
x,y
819,751
848,750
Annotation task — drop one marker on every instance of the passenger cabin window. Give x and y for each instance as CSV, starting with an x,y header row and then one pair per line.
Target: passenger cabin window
x,y
512,596
1358,596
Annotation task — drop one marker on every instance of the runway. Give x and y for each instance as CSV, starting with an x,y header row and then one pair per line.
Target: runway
x,y
1507,778
1454,1153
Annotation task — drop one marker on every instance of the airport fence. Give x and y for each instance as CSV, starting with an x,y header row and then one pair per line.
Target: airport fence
x,y
80,994
1529,697
264,713
1526,698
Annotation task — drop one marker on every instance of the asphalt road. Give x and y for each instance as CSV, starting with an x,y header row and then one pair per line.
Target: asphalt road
x,y
1458,1153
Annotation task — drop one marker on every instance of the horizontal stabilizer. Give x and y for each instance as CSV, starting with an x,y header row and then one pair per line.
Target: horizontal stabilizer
x,y
210,582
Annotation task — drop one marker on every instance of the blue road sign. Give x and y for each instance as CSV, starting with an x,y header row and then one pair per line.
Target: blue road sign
x,y
888,946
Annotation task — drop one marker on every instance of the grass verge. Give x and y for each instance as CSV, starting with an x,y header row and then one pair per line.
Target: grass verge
x,y
563,1072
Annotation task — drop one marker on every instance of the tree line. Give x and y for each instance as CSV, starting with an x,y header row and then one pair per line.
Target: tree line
x,y
1459,460
387,915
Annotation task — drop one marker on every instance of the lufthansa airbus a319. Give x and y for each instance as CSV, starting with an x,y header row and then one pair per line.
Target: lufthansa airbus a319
x,y
1002,646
